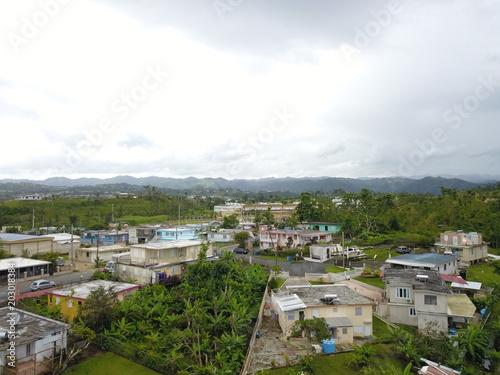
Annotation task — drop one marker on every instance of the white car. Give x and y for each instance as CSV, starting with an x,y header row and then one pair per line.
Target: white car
x,y
42,284
352,252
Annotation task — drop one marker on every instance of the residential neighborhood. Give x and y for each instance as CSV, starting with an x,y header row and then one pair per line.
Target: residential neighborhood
x,y
325,284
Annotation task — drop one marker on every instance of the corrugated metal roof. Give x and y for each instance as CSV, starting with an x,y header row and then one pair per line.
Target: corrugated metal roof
x,y
460,305
289,303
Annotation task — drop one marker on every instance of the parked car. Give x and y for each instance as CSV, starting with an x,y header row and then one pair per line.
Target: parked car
x,y
240,250
403,250
352,252
61,261
41,284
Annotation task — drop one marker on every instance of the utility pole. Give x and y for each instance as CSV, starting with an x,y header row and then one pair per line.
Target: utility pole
x,y
72,260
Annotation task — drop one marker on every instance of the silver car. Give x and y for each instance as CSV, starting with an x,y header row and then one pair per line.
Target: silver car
x,y
42,284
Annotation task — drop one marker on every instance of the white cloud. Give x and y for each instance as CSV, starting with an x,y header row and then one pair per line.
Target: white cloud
x,y
105,88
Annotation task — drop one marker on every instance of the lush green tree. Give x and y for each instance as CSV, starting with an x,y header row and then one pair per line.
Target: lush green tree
x,y
99,310
230,222
307,209
474,342
315,327
242,238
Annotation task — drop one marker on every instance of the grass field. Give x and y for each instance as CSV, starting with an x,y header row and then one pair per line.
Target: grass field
x,y
483,273
109,363
375,281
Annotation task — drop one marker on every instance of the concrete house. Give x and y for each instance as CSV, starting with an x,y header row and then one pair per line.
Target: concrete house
x,y
470,246
347,313
153,262
142,233
325,227
175,234
422,299
90,254
322,253
104,237
62,242
14,244
290,238
69,299
39,341
442,263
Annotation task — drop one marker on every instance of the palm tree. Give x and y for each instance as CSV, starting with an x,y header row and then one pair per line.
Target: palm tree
x,y
474,343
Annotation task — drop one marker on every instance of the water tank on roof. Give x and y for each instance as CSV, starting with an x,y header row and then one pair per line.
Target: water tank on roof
x,y
328,346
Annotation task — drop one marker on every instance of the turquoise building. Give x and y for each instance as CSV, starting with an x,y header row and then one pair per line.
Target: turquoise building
x,y
326,227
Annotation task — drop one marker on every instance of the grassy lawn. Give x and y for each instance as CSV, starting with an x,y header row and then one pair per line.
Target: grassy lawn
x,y
109,363
483,273
335,269
375,281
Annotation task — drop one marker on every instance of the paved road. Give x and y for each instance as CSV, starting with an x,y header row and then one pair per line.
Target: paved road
x,y
60,280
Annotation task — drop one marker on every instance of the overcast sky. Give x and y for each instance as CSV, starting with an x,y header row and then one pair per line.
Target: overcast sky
x,y
249,88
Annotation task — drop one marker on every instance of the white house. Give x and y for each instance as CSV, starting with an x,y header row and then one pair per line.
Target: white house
x,y
153,262
442,263
39,340
421,298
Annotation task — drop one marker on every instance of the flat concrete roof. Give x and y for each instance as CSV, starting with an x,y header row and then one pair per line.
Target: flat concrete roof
x,y
19,262
31,327
13,237
408,276
167,244
82,291
426,259
314,295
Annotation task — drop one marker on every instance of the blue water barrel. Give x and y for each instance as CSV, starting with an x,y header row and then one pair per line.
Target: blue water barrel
x,y
328,346
289,259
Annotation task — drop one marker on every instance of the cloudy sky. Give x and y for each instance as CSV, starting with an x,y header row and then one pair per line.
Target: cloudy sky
x,y
249,88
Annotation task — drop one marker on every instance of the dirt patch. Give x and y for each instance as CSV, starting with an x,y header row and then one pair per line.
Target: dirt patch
x,y
274,350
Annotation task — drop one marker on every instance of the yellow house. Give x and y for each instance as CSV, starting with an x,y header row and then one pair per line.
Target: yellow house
x,y
69,299
347,313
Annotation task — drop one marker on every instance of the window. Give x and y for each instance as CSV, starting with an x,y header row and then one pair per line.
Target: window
x,y
88,254
58,300
291,315
70,303
335,309
445,267
28,349
430,300
413,312
301,315
359,311
403,293
315,313
344,331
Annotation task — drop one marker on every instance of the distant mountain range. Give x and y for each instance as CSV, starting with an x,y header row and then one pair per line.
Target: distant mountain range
x,y
293,185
